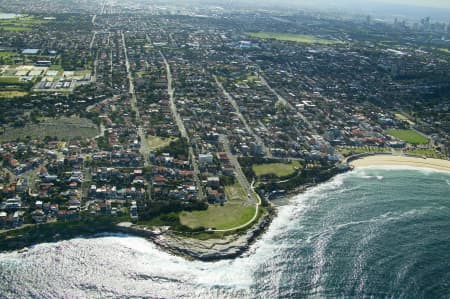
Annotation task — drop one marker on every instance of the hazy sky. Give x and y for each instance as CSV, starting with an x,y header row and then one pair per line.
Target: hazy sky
x,y
416,9
427,3
411,10
362,3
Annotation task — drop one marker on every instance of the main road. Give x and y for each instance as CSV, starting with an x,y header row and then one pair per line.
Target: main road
x,y
241,117
182,128
138,121
287,104
130,80
240,176
253,197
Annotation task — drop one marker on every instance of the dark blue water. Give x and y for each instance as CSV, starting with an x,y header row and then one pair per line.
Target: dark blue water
x,y
368,234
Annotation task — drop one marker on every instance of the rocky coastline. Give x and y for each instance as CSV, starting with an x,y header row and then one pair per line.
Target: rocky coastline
x,y
191,248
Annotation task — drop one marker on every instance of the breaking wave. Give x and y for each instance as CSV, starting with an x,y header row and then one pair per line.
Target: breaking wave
x,y
368,233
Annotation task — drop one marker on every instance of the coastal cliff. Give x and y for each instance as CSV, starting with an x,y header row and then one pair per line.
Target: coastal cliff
x,y
190,247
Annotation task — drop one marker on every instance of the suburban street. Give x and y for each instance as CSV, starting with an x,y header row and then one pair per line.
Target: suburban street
x,y
287,104
242,118
239,173
140,131
253,198
182,129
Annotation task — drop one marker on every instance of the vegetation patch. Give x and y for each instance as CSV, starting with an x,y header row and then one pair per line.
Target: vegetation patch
x,y
443,50
228,216
167,219
63,128
12,94
15,28
154,142
177,148
10,81
429,153
305,39
235,192
7,54
208,235
408,136
22,23
404,118
277,169
347,151
51,232
248,79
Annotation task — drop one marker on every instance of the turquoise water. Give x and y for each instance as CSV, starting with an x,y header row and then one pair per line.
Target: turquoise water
x,y
372,233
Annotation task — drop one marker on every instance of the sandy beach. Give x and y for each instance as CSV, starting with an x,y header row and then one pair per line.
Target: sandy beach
x,y
386,160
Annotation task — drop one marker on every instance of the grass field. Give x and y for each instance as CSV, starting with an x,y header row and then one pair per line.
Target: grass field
x,y
248,79
278,169
56,67
220,235
443,50
23,20
7,54
63,128
305,39
10,80
408,136
12,94
235,193
22,23
15,28
155,142
82,73
235,212
219,217
404,118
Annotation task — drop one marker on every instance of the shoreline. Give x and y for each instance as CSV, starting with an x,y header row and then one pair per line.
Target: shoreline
x,y
227,247
210,250
233,245
385,160
216,249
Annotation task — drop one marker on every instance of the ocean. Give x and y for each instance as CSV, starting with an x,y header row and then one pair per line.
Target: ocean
x,y
370,233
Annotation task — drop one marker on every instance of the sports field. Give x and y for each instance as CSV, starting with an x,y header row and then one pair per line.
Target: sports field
x,y
408,136
299,38
277,169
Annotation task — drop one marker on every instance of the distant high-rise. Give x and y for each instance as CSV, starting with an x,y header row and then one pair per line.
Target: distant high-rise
x,y
425,22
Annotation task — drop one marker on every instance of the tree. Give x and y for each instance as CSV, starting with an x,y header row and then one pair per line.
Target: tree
x,y
281,107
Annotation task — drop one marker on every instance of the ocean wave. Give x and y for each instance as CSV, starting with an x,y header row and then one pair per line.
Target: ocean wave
x,y
300,240
371,177
423,170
